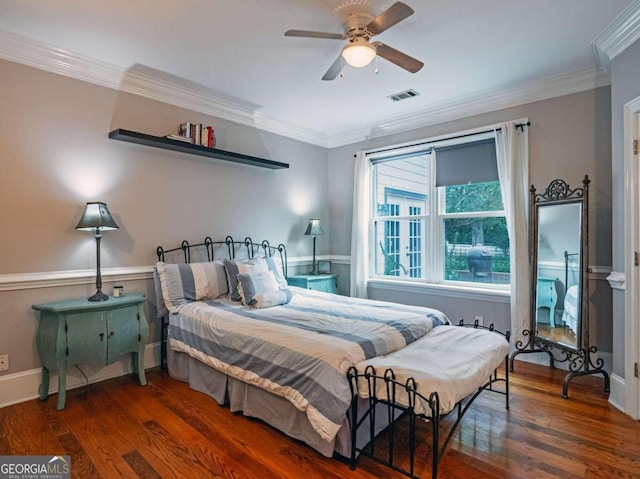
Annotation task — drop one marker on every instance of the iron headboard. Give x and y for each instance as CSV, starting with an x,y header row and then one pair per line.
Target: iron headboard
x,y
230,245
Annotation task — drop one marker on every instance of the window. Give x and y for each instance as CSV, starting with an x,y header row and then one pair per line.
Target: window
x,y
438,215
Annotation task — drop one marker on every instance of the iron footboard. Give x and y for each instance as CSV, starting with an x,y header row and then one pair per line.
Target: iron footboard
x,y
394,390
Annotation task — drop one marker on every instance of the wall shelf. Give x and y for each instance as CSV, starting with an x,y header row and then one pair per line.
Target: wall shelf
x,y
191,149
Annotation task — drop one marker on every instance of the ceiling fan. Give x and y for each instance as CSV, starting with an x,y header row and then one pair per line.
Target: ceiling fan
x,y
359,27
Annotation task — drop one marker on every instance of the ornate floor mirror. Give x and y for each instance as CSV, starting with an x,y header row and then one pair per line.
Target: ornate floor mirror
x,y
559,226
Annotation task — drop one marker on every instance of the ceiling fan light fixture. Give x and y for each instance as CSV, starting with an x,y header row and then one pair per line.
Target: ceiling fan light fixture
x,y
359,53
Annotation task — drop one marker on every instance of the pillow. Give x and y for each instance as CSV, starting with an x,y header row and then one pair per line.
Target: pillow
x,y
261,290
255,283
181,283
161,307
275,265
235,267
272,298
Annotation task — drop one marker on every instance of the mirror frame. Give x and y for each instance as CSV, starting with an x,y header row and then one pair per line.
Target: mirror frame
x,y
557,193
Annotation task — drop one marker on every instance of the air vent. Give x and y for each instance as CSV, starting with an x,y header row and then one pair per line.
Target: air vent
x,y
403,95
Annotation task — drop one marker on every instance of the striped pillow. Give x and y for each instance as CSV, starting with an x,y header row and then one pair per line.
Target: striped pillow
x,y
261,290
272,298
181,283
244,266
251,284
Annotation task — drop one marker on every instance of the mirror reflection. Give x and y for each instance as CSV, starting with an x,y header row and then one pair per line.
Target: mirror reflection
x,y
558,303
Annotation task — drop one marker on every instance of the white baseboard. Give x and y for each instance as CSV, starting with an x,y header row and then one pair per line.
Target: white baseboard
x,y
618,393
24,386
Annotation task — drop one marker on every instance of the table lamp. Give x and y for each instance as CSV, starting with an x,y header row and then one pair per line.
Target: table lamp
x,y
314,229
96,217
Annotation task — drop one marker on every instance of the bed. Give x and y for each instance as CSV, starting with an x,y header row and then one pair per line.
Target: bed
x,y
325,369
571,304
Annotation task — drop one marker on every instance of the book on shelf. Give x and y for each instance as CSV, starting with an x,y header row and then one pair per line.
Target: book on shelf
x,y
185,129
196,133
186,139
209,139
197,136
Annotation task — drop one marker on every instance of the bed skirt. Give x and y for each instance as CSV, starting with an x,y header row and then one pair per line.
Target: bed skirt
x,y
269,408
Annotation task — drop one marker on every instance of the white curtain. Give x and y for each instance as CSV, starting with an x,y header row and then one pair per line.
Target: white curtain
x,y
360,226
512,149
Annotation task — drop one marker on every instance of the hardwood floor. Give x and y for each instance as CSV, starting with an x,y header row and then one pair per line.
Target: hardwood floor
x,y
117,429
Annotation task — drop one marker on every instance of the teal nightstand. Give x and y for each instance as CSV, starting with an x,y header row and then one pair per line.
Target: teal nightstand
x,y
547,297
318,282
82,331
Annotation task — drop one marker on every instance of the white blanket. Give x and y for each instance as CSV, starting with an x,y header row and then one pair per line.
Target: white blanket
x,y
451,360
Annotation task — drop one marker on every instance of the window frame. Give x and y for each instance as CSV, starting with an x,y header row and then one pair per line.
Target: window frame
x,y
434,217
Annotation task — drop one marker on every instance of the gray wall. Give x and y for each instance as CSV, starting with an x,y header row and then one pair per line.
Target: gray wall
x,y
56,156
625,72
569,137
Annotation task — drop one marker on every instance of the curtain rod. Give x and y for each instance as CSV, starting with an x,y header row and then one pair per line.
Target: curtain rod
x,y
382,150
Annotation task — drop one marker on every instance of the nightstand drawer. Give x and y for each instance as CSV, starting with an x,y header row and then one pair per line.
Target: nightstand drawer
x,y
327,283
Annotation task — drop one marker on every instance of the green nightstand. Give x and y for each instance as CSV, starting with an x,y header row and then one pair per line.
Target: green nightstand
x,y
318,282
82,331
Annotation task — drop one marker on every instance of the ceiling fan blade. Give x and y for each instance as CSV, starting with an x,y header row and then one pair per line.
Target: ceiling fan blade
x,y
392,15
401,59
334,69
308,34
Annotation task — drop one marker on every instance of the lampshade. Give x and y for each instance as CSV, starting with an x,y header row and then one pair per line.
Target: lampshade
x,y
358,53
96,218
96,215
314,228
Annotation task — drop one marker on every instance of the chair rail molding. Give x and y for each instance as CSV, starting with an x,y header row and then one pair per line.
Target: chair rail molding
x,y
50,279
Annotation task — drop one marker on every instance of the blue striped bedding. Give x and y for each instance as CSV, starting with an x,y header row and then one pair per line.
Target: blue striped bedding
x,y
301,350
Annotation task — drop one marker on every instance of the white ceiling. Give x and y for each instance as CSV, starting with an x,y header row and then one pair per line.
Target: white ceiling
x,y
236,50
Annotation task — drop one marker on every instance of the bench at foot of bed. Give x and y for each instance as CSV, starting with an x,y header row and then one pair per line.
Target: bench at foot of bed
x,y
443,372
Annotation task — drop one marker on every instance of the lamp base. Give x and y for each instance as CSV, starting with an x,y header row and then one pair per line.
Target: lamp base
x,y
99,296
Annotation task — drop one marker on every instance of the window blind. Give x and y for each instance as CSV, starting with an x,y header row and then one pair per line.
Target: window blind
x,y
465,163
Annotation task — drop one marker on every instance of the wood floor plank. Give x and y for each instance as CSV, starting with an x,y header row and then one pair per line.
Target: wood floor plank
x,y
119,429
80,461
224,433
143,469
191,430
148,438
93,437
27,431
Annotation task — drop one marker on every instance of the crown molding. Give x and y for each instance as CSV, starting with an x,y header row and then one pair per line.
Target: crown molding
x,y
617,37
482,102
33,53
20,49
24,50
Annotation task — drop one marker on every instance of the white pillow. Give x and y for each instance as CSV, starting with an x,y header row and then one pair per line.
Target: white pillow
x,y
274,264
235,267
249,285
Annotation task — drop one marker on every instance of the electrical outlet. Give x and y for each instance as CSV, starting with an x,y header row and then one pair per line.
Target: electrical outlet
x,y
4,362
480,320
